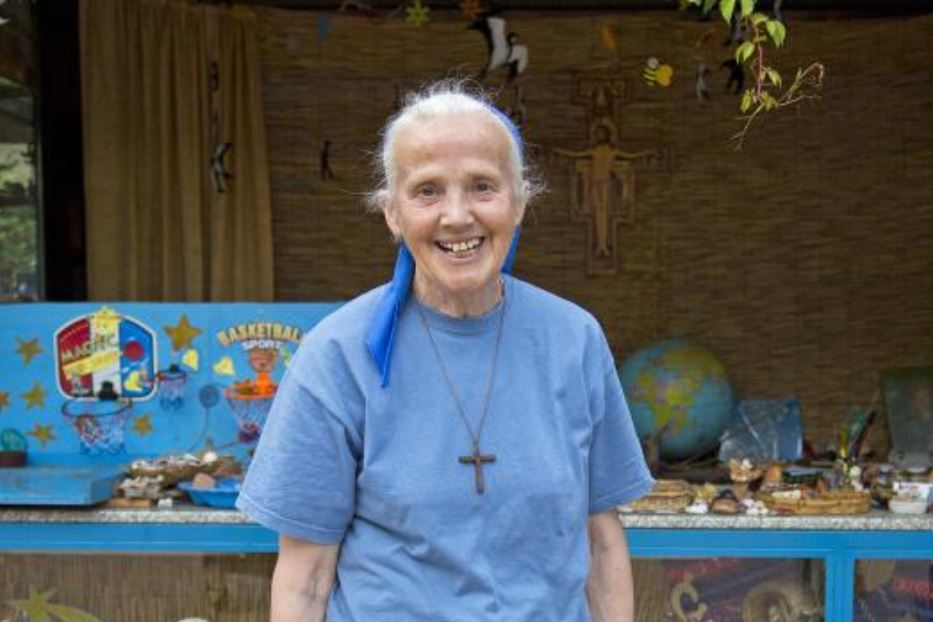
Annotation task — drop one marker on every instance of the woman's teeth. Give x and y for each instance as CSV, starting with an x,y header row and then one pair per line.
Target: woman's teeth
x,y
459,248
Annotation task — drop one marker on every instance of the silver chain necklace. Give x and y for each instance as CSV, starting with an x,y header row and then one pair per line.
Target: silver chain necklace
x,y
477,458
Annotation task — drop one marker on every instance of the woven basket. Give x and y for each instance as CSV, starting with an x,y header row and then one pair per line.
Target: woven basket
x,y
833,502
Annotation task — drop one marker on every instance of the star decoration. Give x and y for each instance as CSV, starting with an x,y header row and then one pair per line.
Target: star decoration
x,y
35,397
105,321
42,433
417,14
182,333
4,400
37,607
142,425
471,8
28,349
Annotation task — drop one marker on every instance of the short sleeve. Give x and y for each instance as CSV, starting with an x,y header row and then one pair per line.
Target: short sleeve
x,y
301,481
617,469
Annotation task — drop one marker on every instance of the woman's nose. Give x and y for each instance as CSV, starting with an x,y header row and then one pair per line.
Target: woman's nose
x,y
457,209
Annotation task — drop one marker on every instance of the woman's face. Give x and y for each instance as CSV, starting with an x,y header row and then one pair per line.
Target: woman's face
x,y
455,207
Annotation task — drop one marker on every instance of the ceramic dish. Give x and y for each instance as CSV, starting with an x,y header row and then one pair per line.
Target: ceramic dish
x,y
222,495
902,506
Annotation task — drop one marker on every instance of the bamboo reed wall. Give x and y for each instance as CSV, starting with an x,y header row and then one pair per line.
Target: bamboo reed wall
x,y
804,260
143,588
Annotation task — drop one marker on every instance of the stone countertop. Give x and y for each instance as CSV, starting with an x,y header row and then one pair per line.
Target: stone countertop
x,y
193,515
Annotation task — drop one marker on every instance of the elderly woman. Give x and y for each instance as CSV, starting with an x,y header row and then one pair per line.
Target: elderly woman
x,y
477,480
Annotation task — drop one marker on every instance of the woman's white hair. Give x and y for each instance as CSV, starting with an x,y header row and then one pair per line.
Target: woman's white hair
x,y
447,98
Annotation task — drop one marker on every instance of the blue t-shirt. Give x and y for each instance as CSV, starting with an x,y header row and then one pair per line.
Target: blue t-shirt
x,y
342,459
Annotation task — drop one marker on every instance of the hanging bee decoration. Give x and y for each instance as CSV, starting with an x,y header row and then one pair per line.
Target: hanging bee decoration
x,y
657,74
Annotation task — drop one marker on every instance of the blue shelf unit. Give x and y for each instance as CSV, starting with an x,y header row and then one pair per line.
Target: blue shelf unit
x,y
838,550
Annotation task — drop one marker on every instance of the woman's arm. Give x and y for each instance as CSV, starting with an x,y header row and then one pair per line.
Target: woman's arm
x,y
609,586
303,578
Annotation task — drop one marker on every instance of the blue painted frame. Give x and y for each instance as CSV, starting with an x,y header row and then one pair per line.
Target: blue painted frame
x,y
838,549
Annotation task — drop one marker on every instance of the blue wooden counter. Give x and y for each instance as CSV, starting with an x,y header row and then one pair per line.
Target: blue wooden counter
x,y
836,540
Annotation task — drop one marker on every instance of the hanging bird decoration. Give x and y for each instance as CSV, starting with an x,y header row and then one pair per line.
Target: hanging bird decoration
x,y
518,57
501,49
737,31
702,88
736,76
776,10
518,112
326,172
219,172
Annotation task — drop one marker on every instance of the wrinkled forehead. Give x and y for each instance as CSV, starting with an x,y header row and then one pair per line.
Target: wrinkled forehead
x,y
474,134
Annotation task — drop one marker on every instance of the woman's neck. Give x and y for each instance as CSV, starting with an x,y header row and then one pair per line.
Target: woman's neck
x,y
469,304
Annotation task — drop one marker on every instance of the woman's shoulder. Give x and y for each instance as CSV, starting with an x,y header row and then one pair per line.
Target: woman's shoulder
x,y
351,320
548,306
340,336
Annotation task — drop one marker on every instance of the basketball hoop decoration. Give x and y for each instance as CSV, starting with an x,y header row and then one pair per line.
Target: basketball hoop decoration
x,y
100,424
251,399
263,343
172,382
103,361
105,347
174,379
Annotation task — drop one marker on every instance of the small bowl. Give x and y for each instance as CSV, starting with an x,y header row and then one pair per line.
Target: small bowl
x,y
222,495
904,506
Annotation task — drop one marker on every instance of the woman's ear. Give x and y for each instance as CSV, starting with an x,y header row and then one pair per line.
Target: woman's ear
x,y
522,203
390,214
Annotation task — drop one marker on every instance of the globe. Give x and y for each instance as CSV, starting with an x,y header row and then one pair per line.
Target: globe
x,y
680,389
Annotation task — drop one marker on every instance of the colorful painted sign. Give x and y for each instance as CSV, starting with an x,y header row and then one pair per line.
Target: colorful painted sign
x,y
144,379
105,347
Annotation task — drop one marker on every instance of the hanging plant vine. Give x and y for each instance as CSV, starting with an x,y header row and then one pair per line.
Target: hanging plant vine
x,y
767,93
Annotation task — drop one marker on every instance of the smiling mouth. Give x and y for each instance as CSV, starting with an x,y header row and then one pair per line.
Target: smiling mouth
x,y
460,249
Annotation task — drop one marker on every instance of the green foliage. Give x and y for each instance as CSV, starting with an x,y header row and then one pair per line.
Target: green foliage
x,y
18,246
744,51
752,51
777,31
726,9
773,76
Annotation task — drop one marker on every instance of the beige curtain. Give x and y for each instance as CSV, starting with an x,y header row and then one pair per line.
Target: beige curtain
x,y
164,84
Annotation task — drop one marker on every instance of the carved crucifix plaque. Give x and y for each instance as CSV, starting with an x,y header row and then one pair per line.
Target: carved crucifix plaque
x,y
602,175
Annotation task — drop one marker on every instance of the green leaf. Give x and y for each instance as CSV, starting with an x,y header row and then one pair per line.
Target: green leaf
x,y
759,18
708,5
726,8
768,101
777,31
747,7
774,76
746,101
744,51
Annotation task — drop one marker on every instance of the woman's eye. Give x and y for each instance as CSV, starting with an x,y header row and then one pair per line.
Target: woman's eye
x,y
427,192
484,186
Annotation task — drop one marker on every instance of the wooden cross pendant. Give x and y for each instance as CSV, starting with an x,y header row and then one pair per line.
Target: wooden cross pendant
x,y
477,459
